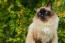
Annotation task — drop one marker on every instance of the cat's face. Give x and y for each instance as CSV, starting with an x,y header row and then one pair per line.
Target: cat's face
x,y
44,13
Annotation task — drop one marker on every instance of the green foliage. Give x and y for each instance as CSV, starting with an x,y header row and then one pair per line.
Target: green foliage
x,y
16,16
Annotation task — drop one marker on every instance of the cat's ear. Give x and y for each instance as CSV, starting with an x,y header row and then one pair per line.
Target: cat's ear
x,y
49,4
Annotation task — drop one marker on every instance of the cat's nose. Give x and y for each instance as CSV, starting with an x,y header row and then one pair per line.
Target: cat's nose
x,y
42,16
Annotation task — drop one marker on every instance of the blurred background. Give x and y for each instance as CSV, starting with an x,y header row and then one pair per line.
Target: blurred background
x,y
16,16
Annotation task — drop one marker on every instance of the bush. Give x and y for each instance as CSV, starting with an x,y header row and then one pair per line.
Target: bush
x,y
16,15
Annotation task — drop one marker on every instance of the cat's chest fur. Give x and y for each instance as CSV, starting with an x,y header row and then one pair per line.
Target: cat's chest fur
x,y
44,28
44,31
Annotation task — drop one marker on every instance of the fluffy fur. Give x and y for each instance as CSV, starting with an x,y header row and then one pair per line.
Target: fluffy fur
x,y
41,31
44,32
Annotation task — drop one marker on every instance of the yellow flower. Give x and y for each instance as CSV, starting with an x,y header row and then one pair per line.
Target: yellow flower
x,y
17,21
62,14
30,18
20,12
57,3
63,40
59,30
17,38
5,0
0,2
63,31
19,32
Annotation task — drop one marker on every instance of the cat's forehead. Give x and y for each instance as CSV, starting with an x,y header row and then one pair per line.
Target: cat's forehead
x,y
43,8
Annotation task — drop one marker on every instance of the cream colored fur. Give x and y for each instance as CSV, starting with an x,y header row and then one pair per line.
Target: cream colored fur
x,y
43,31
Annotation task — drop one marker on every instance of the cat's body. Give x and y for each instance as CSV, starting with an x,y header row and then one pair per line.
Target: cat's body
x,y
44,31
44,27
